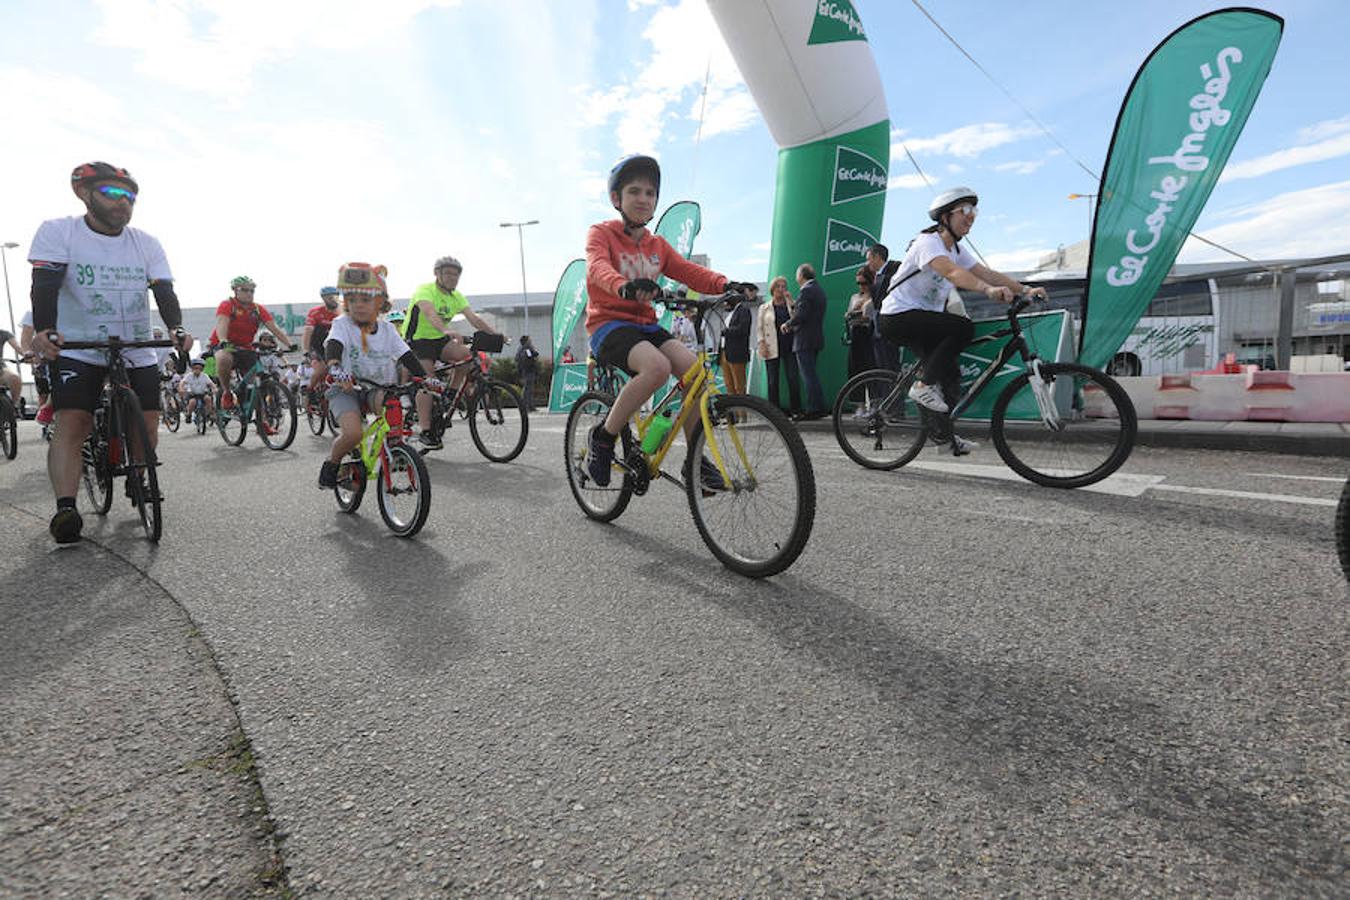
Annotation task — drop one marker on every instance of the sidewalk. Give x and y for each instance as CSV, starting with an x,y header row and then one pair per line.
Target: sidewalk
x,y
123,765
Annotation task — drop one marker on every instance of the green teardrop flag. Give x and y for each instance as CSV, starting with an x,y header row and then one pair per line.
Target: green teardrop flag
x,y
1176,128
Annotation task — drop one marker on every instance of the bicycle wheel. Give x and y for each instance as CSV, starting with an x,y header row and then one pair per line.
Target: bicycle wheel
x,y
9,429
142,475
1091,435
351,484
498,421
604,504
276,415
231,423
759,523
403,490
95,473
873,433
315,413
1343,529
168,411
199,417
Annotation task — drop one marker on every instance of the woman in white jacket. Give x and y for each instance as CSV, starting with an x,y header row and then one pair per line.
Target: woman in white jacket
x,y
775,347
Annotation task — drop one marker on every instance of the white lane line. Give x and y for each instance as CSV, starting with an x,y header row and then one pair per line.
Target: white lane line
x,y
1245,495
1120,484
1296,477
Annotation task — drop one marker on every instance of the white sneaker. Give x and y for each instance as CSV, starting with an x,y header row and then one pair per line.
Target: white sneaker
x,y
961,446
929,397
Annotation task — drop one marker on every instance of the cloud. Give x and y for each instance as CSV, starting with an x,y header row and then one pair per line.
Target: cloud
x,y
687,49
215,46
909,182
1020,167
1280,227
1322,141
966,142
1023,259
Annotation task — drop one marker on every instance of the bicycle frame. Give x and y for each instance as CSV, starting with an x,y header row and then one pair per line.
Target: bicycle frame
x,y
387,425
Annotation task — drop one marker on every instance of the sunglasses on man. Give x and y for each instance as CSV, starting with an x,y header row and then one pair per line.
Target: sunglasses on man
x,y
113,192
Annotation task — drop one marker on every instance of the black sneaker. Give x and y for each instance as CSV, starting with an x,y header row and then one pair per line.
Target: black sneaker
x,y
429,441
328,474
600,456
66,526
709,478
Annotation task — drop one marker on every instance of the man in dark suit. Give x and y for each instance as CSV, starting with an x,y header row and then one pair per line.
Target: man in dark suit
x,y
808,327
883,268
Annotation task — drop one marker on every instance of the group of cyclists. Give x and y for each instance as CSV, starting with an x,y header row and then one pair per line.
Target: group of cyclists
x,y
92,274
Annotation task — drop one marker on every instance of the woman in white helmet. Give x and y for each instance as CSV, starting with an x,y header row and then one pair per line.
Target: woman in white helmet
x,y
913,309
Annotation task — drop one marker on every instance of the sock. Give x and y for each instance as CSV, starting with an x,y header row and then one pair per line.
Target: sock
x,y
65,503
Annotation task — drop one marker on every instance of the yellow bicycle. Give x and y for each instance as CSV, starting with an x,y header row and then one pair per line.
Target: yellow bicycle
x,y
751,488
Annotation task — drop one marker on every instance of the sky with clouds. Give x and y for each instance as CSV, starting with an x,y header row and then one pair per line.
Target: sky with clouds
x,y
280,139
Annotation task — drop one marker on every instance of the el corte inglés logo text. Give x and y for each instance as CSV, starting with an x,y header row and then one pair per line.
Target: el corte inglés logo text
x,y
856,175
836,20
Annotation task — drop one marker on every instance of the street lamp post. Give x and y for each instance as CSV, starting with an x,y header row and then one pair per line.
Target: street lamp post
x,y
524,294
4,260
1090,208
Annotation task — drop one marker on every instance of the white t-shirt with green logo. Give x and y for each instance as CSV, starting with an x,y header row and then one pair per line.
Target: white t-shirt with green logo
x,y
926,289
106,289
378,360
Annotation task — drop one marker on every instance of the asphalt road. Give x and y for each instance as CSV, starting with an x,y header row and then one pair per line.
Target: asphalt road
x,y
967,684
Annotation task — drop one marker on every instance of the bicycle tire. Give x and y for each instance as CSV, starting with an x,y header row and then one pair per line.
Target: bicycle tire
x,y
231,424
9,428
168,412
496,406
143,475
316,414
873,437
96,473
1343,529
762,452
404,465
276,408
351,484
1097,427
603,504
199,417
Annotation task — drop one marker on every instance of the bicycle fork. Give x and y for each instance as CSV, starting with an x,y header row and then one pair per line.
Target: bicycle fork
x,y
1043,390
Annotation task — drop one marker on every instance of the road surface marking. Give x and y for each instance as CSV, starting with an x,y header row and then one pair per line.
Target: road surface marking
x,y
1245,495
1121,484
1295,477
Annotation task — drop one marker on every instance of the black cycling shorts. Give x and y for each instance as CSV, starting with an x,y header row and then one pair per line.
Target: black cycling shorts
x,y
428,348
79,385
244,359
621,341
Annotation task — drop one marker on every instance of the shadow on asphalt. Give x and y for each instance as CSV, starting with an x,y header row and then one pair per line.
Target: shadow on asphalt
x,y
227,460
518,480
1028,736
409,590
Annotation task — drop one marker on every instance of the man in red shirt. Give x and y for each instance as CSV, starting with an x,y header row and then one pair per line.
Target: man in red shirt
x,y
317,323
238,320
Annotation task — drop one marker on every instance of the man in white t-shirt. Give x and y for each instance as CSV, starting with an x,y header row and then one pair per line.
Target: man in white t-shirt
x,y
913,311
90,280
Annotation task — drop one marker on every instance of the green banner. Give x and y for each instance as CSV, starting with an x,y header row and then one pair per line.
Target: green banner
x,y
836,20
569,383
1178,124
827,214
1050,336
569,302
679,225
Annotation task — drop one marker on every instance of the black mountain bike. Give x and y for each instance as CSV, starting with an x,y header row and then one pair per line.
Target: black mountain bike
x,y
1056,424
498,420
9,423
119,443
261,398
170,412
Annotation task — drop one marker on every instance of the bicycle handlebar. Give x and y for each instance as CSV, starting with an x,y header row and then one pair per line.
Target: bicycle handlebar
x,y
114,343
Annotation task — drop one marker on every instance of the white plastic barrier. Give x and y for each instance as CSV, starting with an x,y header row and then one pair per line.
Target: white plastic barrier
x,y
1253,396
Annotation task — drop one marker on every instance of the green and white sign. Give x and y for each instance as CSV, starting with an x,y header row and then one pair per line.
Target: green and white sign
x,y
856,175
834,137
1176,128
569,383
1050,335
836,20
845,247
